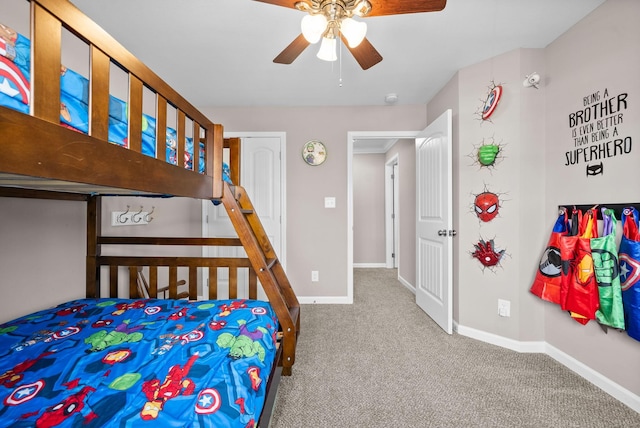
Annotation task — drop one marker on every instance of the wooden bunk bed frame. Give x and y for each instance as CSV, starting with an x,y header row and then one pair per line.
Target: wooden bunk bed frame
x,y
42,159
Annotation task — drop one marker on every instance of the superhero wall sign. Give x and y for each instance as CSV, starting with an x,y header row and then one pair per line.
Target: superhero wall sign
x,y
597,131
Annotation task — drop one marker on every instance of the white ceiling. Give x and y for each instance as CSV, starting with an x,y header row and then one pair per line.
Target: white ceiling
x,y
220,52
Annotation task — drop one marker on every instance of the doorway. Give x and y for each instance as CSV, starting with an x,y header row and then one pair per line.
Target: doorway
x,y
263,176
352,137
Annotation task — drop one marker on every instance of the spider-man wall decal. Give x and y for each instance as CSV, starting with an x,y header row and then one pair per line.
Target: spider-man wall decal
x,y
487,254
486,205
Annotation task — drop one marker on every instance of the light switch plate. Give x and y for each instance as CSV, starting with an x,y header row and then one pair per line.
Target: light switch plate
x,y
329,202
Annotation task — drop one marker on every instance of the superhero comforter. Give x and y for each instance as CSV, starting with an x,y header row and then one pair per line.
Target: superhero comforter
x,y
15,66
134,363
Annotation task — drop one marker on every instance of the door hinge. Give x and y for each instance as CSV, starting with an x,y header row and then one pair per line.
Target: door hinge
x,y
393,255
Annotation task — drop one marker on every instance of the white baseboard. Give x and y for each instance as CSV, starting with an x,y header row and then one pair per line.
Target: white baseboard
x,y
504,342
370,265
407,284
310,300
607,385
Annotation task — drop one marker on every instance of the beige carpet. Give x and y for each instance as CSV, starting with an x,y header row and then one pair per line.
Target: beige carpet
x,y
382,362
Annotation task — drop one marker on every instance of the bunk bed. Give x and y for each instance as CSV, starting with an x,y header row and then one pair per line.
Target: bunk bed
x,y
179,346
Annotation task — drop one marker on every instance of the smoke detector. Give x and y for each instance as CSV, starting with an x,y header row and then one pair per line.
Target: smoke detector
x,y
391,98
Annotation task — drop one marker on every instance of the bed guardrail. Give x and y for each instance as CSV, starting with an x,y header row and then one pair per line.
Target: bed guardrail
x,y
48,19
145,280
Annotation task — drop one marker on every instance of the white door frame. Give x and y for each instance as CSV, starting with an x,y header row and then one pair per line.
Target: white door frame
x,y
282,254
351,137
391,213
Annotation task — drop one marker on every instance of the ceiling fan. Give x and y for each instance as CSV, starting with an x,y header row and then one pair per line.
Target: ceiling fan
x,y
328,20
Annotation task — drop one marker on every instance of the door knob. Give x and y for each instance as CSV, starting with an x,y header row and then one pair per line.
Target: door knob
x,y
442,232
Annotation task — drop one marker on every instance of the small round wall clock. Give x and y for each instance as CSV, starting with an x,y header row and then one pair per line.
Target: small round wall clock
x,y
314,152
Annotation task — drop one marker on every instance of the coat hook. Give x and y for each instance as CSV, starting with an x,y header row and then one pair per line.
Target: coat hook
x,y
136,218
148,217
122,217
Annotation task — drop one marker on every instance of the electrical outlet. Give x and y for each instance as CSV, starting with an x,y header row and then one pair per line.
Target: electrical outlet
x,y
315,276
504,308
329,202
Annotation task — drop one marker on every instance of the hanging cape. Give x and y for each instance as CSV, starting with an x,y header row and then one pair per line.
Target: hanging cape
x,y
579,290
605,262
629,258
546,284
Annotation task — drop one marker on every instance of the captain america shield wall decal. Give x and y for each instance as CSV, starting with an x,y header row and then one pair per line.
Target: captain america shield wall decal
x,y
491,102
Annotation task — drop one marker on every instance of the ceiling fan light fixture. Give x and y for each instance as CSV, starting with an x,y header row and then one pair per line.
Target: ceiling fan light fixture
x,y
327,50
354,31
313,27
362,8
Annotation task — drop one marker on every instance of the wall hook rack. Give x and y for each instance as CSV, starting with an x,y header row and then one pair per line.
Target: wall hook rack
x,y
131,218
617,207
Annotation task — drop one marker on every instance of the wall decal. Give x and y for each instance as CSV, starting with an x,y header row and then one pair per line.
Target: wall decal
x,y
486,206
488,153
487,254
490,103
595,131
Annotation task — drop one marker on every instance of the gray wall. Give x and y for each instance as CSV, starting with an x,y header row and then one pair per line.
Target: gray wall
x,y
42,256
369,209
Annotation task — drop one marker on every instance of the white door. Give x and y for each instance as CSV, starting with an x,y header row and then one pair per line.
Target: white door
x,y
434,200
262,177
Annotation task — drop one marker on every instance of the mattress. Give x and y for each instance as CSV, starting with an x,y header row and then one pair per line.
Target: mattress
x,y
150,362
15,66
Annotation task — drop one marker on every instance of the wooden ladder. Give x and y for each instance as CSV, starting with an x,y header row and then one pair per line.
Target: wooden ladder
x,y
268,268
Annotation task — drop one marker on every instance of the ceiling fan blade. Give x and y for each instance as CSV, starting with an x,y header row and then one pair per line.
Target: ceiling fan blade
x,y
398,7
291,52
284,3
366,55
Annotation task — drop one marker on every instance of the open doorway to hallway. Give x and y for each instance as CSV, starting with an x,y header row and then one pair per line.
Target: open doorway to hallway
x,y
380,139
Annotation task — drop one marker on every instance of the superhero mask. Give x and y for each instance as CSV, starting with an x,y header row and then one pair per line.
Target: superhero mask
x,y
486,206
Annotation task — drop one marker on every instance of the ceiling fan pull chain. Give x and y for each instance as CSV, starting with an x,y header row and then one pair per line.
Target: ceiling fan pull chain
x,y
340,66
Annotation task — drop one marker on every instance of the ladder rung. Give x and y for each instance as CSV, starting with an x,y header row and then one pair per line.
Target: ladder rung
x,y
243,211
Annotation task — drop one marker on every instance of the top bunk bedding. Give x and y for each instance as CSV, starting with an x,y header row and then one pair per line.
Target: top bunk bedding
x,y
15,84
102,143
